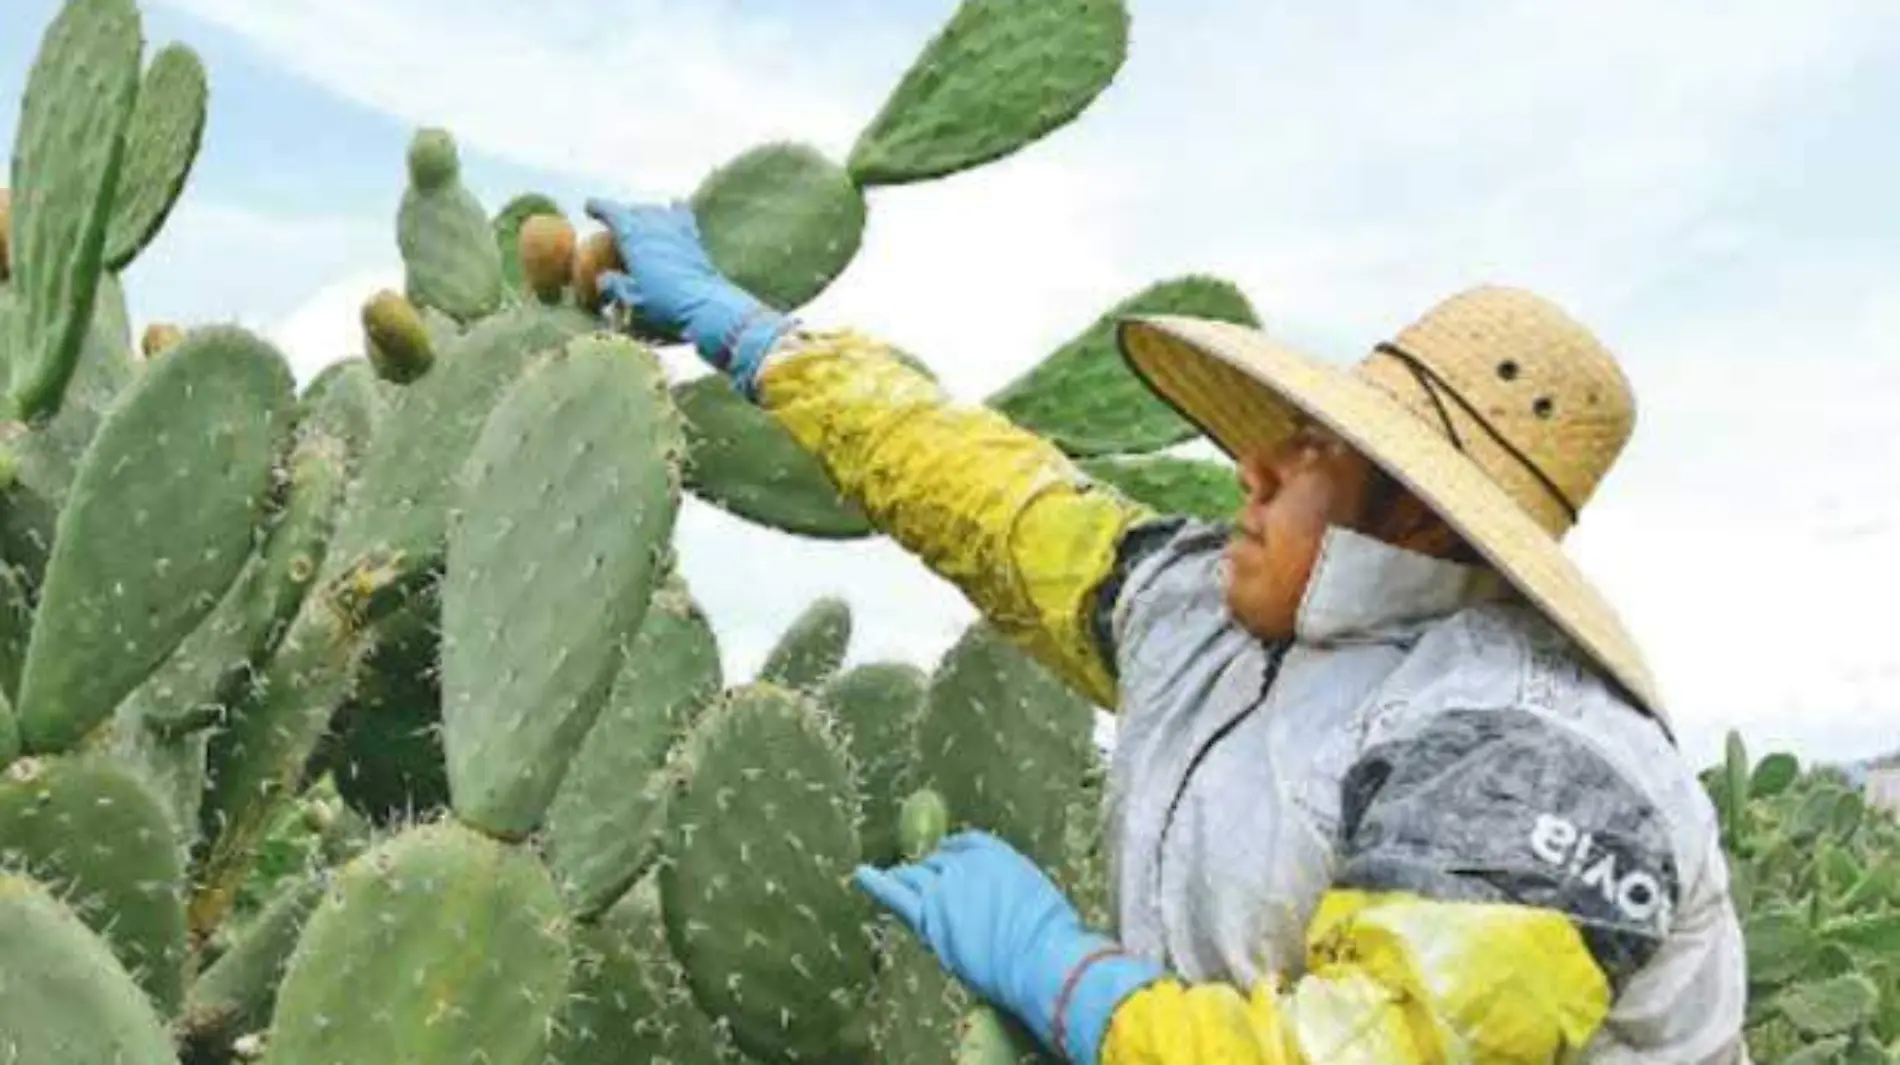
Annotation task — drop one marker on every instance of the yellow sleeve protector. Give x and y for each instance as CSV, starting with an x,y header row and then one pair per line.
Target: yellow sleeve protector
x,y
1392,980
995,510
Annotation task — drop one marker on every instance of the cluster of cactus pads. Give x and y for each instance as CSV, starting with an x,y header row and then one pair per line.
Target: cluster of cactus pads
x,y
372,720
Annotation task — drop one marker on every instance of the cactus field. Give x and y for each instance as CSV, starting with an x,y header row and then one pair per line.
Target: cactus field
x,y
370,720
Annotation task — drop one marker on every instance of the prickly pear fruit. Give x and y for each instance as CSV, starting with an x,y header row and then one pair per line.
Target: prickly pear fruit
x,y
604,827
448,248
1084,397
922,823
507,227
564,508
878,706
594,256
397,343
1007,745
161,144
546,254
811,648
67,998
159,522
1171,485
761,842
159,338
780,221
457,939
744,462
999,76
401,499
93,832
68,153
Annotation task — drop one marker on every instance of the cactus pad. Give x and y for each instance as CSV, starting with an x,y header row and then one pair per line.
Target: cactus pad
x,y
401,499
811,648
878,706
604,827
918,1009
1192,487
95,834
438,945
161,145
1086,399
629,1001
236,994
564,509
63,997
742,461
781,221
507,228
761,842
67,156
159,523
448,247
1008,746
1001,75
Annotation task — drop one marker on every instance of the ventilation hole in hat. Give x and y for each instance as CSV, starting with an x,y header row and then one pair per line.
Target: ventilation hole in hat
x,y
1508,370
1543,407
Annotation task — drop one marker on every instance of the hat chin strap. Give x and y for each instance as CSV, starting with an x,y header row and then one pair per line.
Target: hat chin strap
x,y
1436,388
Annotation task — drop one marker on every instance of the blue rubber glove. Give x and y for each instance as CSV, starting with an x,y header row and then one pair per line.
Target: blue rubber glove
x,y
998,924
672,284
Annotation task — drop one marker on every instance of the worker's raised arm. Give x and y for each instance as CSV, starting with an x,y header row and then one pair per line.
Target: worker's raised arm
x,y
999,512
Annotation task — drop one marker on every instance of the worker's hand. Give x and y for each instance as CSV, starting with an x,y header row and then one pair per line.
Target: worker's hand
x,y
1002,928
671,283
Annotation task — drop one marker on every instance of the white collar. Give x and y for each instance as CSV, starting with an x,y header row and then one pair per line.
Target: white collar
x,y
1362,587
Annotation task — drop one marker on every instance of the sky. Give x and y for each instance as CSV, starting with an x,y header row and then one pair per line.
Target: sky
x,y
1707,185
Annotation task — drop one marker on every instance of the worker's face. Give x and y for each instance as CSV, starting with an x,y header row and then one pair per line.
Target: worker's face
x,y
1315,480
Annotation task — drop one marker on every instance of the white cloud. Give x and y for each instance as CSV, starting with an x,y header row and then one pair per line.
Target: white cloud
x,y
1349,165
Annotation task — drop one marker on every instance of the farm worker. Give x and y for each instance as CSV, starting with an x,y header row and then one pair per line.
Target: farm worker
x,y
1391,785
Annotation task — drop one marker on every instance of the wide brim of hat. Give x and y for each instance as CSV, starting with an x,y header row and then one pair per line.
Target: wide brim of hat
x,y
1245,392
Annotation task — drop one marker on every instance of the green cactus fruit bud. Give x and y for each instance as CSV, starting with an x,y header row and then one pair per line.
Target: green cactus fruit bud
x,y
448,247
438,945
48,452
161,145
433,158
507,227
761,843
1007,744
629,1000
781,221
918,1009
68,153
742,461
401,500
190,689
604,826
101,839
922,823
158,524
395,339
386,744
67,998
878,706
1171,485
811,648
546,254
237,993
257,759
1086,400
159,338
564,509
998,77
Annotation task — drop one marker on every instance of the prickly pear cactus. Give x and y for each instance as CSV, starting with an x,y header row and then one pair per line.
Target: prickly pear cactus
x,y
161,144
448,245
781,221
812,648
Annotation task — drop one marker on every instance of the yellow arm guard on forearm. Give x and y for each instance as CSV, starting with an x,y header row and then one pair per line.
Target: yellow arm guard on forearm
x,y
1394,980
990,507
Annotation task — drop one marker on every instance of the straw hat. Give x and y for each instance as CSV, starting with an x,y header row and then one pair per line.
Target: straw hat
x,y
1495,409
